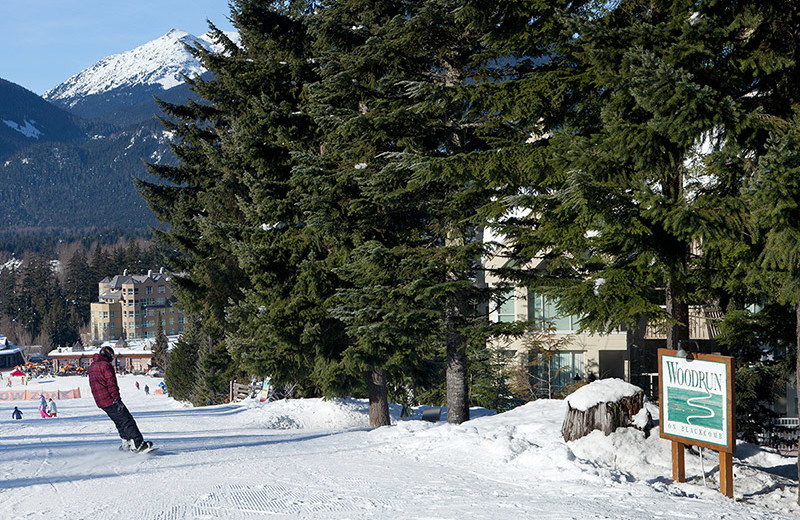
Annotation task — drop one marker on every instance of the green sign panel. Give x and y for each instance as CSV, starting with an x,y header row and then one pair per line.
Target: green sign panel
x,y
696,399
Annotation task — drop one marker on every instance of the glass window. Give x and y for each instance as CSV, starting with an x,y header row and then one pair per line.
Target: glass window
x,y
506,309
554,370
162,289
148,290
545,312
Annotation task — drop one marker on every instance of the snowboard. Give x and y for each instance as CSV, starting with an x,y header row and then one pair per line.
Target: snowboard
x,y
151,449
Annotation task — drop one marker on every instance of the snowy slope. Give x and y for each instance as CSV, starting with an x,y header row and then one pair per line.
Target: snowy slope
x,y
119,89
318,459
161,62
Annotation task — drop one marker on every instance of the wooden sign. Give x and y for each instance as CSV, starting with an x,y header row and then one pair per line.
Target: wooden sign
x,y
697,406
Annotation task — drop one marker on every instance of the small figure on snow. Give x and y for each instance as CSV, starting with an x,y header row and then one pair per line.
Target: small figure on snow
x,y
16,414
51,408
146,390
43,407
105,390
137,385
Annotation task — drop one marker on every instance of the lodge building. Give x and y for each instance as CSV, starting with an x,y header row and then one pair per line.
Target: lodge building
x,y
130,306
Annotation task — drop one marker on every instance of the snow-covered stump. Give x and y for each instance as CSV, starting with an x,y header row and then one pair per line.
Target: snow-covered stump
x,y
605,405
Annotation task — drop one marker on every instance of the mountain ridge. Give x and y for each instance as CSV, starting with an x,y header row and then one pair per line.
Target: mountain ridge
x,y
131,78
82,177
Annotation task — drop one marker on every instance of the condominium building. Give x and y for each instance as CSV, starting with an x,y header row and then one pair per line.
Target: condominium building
x,y
130,306
625,353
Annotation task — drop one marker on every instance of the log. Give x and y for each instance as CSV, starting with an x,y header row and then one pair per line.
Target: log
x,y
605,415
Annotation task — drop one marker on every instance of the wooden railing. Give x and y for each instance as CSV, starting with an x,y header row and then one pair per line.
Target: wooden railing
x,y
703,324
237,392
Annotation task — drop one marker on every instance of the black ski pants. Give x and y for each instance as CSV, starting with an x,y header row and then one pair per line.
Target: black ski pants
x,y
124,422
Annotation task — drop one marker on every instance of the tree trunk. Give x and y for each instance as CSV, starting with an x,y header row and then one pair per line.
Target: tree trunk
x,y
212,398
378,398
457,388
678,310
606,417
797,375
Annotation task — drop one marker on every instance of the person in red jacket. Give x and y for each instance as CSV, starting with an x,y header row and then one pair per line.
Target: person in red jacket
x,y
105,390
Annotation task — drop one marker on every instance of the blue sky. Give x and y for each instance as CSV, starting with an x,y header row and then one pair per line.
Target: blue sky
x,y
44,42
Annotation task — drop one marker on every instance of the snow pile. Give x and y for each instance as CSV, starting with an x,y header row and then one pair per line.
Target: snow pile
x,y
601,391
310,414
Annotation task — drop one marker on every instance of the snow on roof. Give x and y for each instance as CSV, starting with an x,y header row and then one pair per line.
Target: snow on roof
x,y
134,346
601,391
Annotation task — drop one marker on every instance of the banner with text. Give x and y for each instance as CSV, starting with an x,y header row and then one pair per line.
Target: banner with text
x,y
27,395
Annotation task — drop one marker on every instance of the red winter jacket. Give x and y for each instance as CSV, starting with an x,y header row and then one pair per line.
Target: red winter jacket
x,y
103,381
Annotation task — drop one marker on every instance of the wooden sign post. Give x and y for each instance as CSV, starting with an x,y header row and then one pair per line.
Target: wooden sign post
x,y
697,406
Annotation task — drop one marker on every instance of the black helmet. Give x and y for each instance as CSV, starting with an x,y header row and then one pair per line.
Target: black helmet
x,y
108,353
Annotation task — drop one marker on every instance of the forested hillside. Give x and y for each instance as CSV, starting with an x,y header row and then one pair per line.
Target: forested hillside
x,y
82,185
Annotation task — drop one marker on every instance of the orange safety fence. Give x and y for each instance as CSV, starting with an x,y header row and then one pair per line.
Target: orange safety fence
x,y
27,395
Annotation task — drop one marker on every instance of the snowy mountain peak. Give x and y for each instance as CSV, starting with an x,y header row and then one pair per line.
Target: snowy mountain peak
x,y
160,63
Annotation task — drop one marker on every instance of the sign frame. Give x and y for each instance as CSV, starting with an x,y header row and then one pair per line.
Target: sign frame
x,y
730,405
678,442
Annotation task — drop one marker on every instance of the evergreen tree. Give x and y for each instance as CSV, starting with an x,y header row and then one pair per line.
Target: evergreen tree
x,y
775,192
400,182
160,349
37,293
180,375
280,328
100,265
630,192
79,288
57,326
198,198
8,292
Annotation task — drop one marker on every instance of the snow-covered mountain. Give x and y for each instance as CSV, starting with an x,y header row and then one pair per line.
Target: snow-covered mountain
x,y
131,78
62,171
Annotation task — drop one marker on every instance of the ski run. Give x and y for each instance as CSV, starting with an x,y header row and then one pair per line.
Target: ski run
x,y
311,458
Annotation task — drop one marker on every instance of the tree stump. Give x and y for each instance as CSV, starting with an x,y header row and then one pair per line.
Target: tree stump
x,y
605,405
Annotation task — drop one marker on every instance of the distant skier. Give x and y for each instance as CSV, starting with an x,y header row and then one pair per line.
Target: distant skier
x,y
146,390
16,414
103,383
137,385
51,408
43,407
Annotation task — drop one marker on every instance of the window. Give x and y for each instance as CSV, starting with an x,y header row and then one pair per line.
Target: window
x,y
162,289
506,309
148,289
545,312
111,313
557,369
160,301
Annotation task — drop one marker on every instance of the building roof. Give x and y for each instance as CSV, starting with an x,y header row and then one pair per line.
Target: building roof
x,y
135,346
